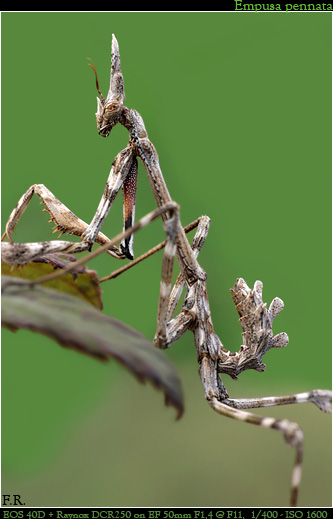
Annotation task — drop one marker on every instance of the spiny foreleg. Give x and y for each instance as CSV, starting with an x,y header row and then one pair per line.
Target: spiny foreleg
x,y
65,222
124,167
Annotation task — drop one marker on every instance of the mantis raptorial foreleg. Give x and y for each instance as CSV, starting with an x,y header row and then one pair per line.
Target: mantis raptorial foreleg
x,y
65,222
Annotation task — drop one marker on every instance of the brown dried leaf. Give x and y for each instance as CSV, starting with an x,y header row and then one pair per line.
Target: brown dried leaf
x,y
81,283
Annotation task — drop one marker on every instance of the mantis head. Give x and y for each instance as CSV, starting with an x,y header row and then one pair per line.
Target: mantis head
x,y
109,110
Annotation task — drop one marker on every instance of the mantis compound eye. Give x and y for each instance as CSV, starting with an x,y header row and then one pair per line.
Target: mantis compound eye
x,y
112,107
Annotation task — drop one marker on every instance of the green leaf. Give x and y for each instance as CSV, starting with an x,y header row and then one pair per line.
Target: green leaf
x,y
75,324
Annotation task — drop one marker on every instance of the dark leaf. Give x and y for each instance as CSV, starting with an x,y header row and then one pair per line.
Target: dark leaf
x,y
75,324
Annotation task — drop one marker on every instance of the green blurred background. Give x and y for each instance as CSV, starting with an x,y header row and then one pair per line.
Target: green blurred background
x,y
239,109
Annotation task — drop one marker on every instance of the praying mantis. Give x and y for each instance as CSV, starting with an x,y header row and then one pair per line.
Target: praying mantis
x,y
195,316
